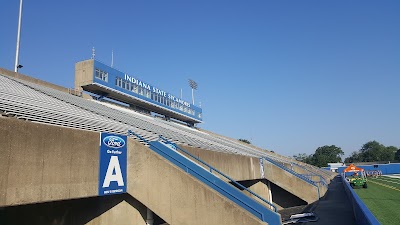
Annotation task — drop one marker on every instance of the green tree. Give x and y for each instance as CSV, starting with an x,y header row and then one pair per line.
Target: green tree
x,y
303,157
245,141
326,154
397,156
373,151
322,156
354,157
390,153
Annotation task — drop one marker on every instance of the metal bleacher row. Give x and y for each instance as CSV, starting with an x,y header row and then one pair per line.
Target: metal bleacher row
x,y
33,102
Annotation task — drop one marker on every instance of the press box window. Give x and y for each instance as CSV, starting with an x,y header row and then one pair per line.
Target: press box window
x,y
102,75
118,82
126,85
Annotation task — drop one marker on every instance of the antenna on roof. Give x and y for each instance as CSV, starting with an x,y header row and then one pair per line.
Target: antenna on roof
x,y
112,58
93,53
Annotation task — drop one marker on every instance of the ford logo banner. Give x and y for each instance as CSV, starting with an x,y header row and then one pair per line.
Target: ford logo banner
x,y
114,142
113,164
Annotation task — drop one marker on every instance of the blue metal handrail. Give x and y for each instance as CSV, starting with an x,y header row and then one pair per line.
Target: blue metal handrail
x,y
321,178
211,168
206,164
301,176
138,136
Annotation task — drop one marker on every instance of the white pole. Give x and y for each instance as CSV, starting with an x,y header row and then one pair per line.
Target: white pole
x,y
270,194
18,37
112,58
192,96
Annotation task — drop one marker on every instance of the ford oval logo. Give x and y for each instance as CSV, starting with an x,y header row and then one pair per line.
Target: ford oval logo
x,y
114,142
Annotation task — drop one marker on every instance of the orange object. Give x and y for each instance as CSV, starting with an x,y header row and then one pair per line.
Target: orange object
x,y
352,168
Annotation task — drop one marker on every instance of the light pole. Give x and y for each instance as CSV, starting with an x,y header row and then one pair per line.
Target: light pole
x,y
194,86
17,66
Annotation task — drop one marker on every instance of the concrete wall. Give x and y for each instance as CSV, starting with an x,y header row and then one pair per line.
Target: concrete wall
x,y
174,195
314,169
244,168
42,163
84,73
127,211
290,183
236,166
116,209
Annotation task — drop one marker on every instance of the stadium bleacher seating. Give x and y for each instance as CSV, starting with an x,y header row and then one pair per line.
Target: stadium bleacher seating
x,y
37,103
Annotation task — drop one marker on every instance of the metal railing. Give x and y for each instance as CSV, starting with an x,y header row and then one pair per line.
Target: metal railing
x,y
321,178
301,176
211,168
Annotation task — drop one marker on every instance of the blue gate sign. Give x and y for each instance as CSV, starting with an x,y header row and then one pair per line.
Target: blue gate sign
x,y
113,164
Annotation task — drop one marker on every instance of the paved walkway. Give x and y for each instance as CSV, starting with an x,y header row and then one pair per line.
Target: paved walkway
x,y
334,208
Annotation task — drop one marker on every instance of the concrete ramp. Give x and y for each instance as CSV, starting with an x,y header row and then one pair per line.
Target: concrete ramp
x,y
293,184
175,195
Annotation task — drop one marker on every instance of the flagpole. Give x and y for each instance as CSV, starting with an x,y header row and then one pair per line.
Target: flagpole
x,y
18,38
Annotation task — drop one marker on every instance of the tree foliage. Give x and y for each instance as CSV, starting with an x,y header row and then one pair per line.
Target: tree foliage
x,y
373,151
327,154
303,157
322,156
397,156
245,141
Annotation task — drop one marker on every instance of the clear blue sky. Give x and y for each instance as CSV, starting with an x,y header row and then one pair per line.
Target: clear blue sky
x,y
288,75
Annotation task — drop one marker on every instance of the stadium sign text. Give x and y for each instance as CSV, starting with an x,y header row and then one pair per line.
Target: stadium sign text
x,y
155,90
113,164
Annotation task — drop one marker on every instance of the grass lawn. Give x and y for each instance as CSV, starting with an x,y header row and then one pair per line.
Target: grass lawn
x,y
382,197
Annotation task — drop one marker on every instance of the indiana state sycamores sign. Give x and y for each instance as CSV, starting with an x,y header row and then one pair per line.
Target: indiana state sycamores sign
x,y
113,164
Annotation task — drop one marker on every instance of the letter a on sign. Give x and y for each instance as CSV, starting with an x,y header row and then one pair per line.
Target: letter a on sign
x,y
113,164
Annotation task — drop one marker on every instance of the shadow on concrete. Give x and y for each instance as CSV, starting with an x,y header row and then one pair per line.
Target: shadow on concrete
x,y
75,212
284,198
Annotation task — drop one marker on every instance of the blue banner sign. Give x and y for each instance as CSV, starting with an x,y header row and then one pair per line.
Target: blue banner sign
x,y
113,164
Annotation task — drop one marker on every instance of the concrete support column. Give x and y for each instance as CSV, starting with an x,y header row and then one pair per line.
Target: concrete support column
x,y
270,192
260,187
